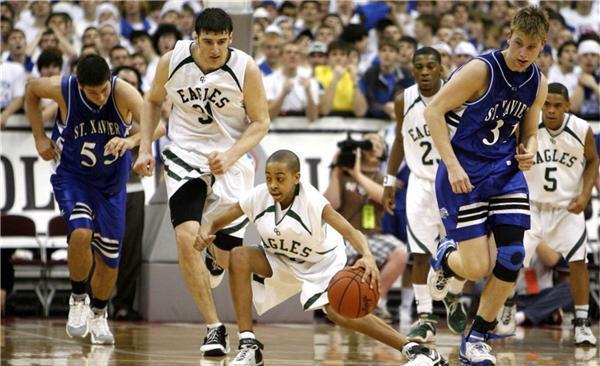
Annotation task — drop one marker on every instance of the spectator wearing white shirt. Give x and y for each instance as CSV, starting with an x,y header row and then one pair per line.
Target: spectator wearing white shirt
x,y
40,10
12,89
585,100
142,44
288,92
566,71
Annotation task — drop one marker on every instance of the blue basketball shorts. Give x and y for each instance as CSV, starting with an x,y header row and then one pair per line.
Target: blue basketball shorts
x,y
474,214
84,206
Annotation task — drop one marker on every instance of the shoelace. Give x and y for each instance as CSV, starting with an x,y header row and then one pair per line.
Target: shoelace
x,y
213,335
482,347
586,331
507,315
79,314
441,281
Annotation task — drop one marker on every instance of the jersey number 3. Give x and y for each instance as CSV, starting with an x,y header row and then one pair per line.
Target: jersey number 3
x,y
88,158
496,133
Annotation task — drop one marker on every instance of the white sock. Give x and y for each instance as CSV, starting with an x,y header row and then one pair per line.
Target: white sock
x,y
581,311
456,286
520,317
247,334
214,325
423,297
408,295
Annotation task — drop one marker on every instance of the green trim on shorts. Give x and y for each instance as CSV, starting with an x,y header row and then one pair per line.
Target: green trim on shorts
x,y
177,160
419,243
235,228
313,299
295,216
576,246
171,174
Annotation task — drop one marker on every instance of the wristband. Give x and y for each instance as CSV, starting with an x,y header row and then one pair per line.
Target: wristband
x,y
389,181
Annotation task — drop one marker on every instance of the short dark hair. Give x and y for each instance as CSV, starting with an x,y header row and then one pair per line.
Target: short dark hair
x,y
115,48
340,46
427,51
214,20
117,70
384,42
410,40
92,70
564,45
163,30
558,88
66,17
353,33
50,57
430,21
138,34
383,23
288,157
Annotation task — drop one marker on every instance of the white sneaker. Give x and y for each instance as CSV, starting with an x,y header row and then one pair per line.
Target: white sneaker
x,y
250,353
475,351
79,311
98,326
583,332
507,324
419,355
438,284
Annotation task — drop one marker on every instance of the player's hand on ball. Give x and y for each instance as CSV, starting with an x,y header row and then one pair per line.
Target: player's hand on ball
x,y
459,180
524,158
47,148
118,146
371,274
577,204
144,164
203,240
218,162
389,199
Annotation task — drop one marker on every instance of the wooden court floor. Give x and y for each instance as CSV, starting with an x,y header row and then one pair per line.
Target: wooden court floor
x,y
44,342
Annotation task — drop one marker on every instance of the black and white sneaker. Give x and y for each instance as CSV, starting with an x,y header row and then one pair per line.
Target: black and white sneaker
x,y
216,342
216,272
419,355
250,353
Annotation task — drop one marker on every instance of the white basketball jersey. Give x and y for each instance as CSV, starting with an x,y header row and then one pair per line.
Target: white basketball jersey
x,y
421,155
557,176
208,109
300,235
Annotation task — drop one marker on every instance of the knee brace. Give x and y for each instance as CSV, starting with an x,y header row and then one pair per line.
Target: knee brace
x,y
511,252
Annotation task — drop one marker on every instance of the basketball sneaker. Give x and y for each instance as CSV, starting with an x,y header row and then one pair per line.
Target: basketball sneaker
x,y
507,322
250,353
474,350
79,311
437,280
216,342
423,330
583,332
98,326
419,355
216,272
456,315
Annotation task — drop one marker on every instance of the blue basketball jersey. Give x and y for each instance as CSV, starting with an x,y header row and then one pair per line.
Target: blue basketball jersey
x,y
485,141
83,136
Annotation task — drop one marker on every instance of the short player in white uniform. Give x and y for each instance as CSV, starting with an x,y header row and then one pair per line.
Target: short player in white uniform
x,y
560,186
424,224
219,114
296,255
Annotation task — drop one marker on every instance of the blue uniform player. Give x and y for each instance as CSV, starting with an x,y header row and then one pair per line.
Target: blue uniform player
x,y
494,104
91,167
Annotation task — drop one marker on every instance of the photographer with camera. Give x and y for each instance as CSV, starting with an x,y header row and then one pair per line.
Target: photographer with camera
x,y
356,191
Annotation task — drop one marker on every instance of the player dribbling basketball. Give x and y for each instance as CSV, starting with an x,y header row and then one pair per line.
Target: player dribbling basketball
x,y
296,256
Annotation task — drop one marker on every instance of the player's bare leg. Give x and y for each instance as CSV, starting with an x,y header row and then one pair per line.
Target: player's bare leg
x,y
472,259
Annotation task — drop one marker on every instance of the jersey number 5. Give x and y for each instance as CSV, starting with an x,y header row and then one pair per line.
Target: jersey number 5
x,y
88,158
551,187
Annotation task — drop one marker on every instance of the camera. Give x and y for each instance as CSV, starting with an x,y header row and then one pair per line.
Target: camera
x,y
347,156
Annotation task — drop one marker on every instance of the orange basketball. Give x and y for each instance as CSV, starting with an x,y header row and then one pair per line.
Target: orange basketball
x,y
349,296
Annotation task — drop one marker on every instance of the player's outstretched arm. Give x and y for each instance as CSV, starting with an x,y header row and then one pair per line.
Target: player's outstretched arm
x,y
36,90
150,116
206,233
358,241
396,156
590,174
469,83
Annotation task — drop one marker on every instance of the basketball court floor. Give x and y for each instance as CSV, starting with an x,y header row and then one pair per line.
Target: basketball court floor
x,y
44,342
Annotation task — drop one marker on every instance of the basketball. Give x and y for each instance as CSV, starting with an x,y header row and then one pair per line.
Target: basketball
x,y
349,296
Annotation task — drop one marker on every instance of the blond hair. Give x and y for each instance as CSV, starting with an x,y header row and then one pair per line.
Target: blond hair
x,y
532,21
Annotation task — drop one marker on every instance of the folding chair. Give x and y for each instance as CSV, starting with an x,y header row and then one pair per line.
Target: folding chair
x,y
57,272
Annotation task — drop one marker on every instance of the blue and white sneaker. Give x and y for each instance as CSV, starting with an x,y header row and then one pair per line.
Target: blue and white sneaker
x,y
474,351
436,279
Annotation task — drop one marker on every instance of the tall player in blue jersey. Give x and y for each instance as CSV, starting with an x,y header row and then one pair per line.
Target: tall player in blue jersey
x,y
89,178
494,102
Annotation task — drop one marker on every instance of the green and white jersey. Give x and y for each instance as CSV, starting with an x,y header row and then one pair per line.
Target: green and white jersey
x,y
557,176
299,233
